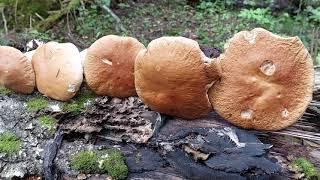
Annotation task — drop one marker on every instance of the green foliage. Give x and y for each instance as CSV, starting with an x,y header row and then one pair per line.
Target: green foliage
x,y
93,23
4,91
306,167
85,161
34,34
9,143
114,165
48,122
211,7
36,104
314,14
19,12
77,105
260,17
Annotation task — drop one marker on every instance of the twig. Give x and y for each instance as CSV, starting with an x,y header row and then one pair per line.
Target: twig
x,y
4,20
30,21
116,18
15,12
40,17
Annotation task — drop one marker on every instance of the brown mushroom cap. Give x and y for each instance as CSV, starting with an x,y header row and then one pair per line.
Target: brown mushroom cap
x,y
171,77
109,65
58,70
16,72
266,81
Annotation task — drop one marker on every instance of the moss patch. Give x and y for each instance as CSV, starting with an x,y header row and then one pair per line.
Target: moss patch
x,y
4,91
77,105
48,122
9,143
114,164
109,161
36,104
85,161
306,167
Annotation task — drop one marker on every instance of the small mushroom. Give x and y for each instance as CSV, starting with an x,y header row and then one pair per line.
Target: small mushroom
x,y
58,70
109,65
266,80
16,72
171,77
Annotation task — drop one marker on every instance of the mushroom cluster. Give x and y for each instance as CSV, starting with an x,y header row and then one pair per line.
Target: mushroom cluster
x,y
261,81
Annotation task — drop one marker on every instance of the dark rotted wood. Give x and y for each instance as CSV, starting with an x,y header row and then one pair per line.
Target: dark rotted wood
x,y
49,155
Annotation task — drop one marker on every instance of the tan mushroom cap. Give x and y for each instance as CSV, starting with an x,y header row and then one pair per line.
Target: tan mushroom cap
x,y
171,77
58,70
266,81
16,72
109,65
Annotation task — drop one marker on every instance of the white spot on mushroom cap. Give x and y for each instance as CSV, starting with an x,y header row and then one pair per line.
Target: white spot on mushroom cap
x,y
246,114
106,61
268,68
285,113
250,37
71,88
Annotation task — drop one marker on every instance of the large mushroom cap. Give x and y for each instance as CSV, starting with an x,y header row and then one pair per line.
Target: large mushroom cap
x,y
109,65
16,72
58,70
266,82
171,77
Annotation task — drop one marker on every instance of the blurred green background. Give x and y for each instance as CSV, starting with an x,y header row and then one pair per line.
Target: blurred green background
x,y
211,22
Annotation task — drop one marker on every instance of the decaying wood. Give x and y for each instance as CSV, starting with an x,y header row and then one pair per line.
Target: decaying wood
x,y
49,155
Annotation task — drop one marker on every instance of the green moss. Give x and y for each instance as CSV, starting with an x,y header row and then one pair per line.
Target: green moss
x,y
9,143
109,161
36,104
85,161
114,164
48,122
4,91
77,104
306,167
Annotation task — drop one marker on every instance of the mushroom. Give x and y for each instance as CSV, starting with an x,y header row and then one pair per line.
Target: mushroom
x,y
58,70
266,80
83,56
29,55
171,77
109,65
16,72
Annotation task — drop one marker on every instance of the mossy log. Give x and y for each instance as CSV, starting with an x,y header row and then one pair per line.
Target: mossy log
x,y
49,22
